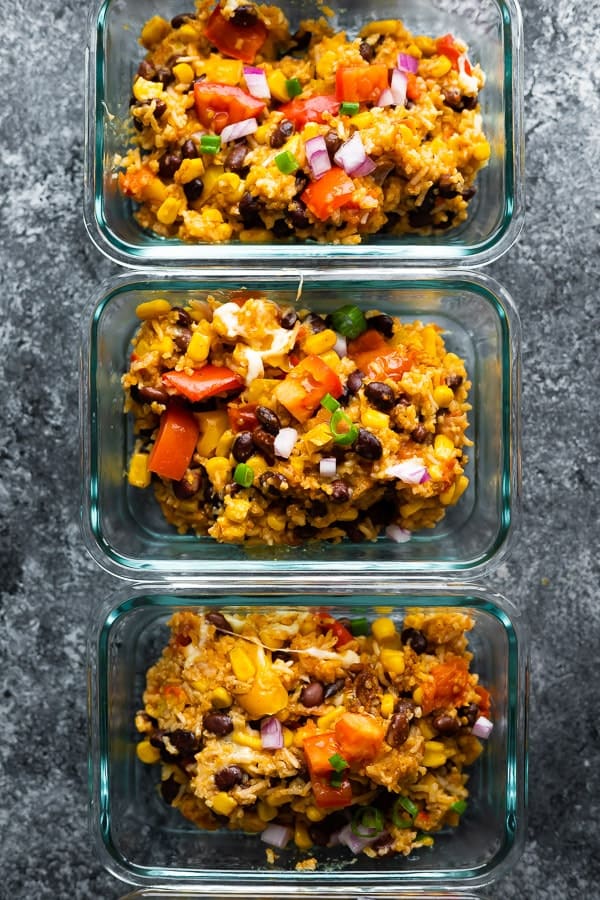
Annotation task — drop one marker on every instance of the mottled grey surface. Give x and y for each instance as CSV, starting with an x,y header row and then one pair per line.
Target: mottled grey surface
x,y
48,585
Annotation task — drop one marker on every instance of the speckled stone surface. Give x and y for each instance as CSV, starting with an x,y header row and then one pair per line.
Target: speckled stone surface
x,y
48,585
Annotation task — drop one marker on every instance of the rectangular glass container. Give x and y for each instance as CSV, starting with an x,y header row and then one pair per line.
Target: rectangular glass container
x,y
123,526
491,28
145,842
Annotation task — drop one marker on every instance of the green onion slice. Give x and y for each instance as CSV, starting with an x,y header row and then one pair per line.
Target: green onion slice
x,y
336,780
359,626
293,87
243,475
338,762
408,805
330,403
210,143
286,162
342,428
367,822
349,108
459,807
349,321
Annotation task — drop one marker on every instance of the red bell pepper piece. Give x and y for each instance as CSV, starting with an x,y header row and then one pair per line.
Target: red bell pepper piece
x,y
175,443
239,41
341,633
362,84
328,797
218,105
303,388
312,109
202,383
375,356
242,418
318,750
333,190
360,737
446,46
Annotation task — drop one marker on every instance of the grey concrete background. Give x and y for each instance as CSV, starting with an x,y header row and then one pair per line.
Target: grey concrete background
x,y
46,582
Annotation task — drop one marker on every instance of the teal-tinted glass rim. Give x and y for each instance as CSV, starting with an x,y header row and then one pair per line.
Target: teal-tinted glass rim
x,y
138,597
510,479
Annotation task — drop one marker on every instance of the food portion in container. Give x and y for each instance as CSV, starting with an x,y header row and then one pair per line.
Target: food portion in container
x,y
259,423
313,730
246,131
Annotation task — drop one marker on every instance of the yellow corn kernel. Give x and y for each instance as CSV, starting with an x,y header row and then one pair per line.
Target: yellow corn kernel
x,y
183,72
165,346
154,31
266,812
418,695
347,515
375,420
198,347
224,71
146,753
212,425
383,628
261,389
187,32
433,759
319,435
246,740
426,841
211,178
277,85
392,661
426,729
381,26
314,814
443,447
168,211
440,67
327,719
288,737
443,395
231,186
261,135
221,698
301,836
321,342
435,746
152,308
276,521
332,360
310,130
223,804
425,44
482,151
462,483
218,470
409,509
242,665
155,190
200,684
435,473
362,119
146,90
447,496
387,705
225,443
258,464
256,236
138,475
236,509
189,170
429,338
406,133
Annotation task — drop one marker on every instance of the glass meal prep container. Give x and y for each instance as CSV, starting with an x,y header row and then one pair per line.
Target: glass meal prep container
x,y
143,841
491,28
124,528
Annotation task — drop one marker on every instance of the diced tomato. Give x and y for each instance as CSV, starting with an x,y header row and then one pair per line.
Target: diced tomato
x,y
328,797
449,686
331,191
202,383
175,443
413,91
218,105
362,84
318,750
342,635
242,418
446,46
376,357
312,109
134,183
303,388
484,700
360,737
240,41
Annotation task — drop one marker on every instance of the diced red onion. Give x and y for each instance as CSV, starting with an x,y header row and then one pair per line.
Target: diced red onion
x,y
271,733
365,168
351,154
355,843
397,534
341,346
407,63
398,87
276,835
410,471
256,82
482,728
284,442
317,156
238,130
328,466
386,98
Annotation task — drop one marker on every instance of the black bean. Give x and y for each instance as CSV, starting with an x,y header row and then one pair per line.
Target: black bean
x,y
297,215
249,208
301,40
164,75
382,323
354,381
281,133
244,16
415,639
272,483
183,316
321,832
139,126
384,844
181,19
243,446
469,193
340,492
419,435
264,443
281,229
169,789
333,142
189,485
446,724
354,533
398,730
218,723
168,165
419,219
469,102
228,777
234,161
429,200
288,319
454,381
317,324
470,713
300,181
189,150
181,337
334,688
446,187
185,742
146,70
380,395
312,694
193,189
160,108
219,621
268,419
367,445
150,394
366,50
452,97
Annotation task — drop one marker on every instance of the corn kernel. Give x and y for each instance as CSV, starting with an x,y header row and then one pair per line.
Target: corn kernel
x,y
200,684
319,435
435,473
462,483
225,443
443,395
242,665
236,509
276,521
277,85
210,179
347,515
443,447
212,425
429,338
301,836
146,753
310,130
246,740
258,464
168,211
447,496
218,470
155,190
327,719
406,133
440,67
435,746
224,71
256,236
265,811
387,705
433,760
231,186
409,509
261,389
139,475
288,737
261,135
332,360
314,814
152,308
198,347
426,729
381,26
392,661
321,342
362,119
187,32
146,90
383,628
183,72
189,170
223,804
426,841
154,31
418,695
375,420
482,151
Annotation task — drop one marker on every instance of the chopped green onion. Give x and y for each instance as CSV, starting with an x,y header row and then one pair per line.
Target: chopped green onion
x,y
348,433
348,320
330,403
359,626
459,807
367,822
293,87
349,109
210,143
408,805
286,162
336,780
398,815
243,475
338,762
